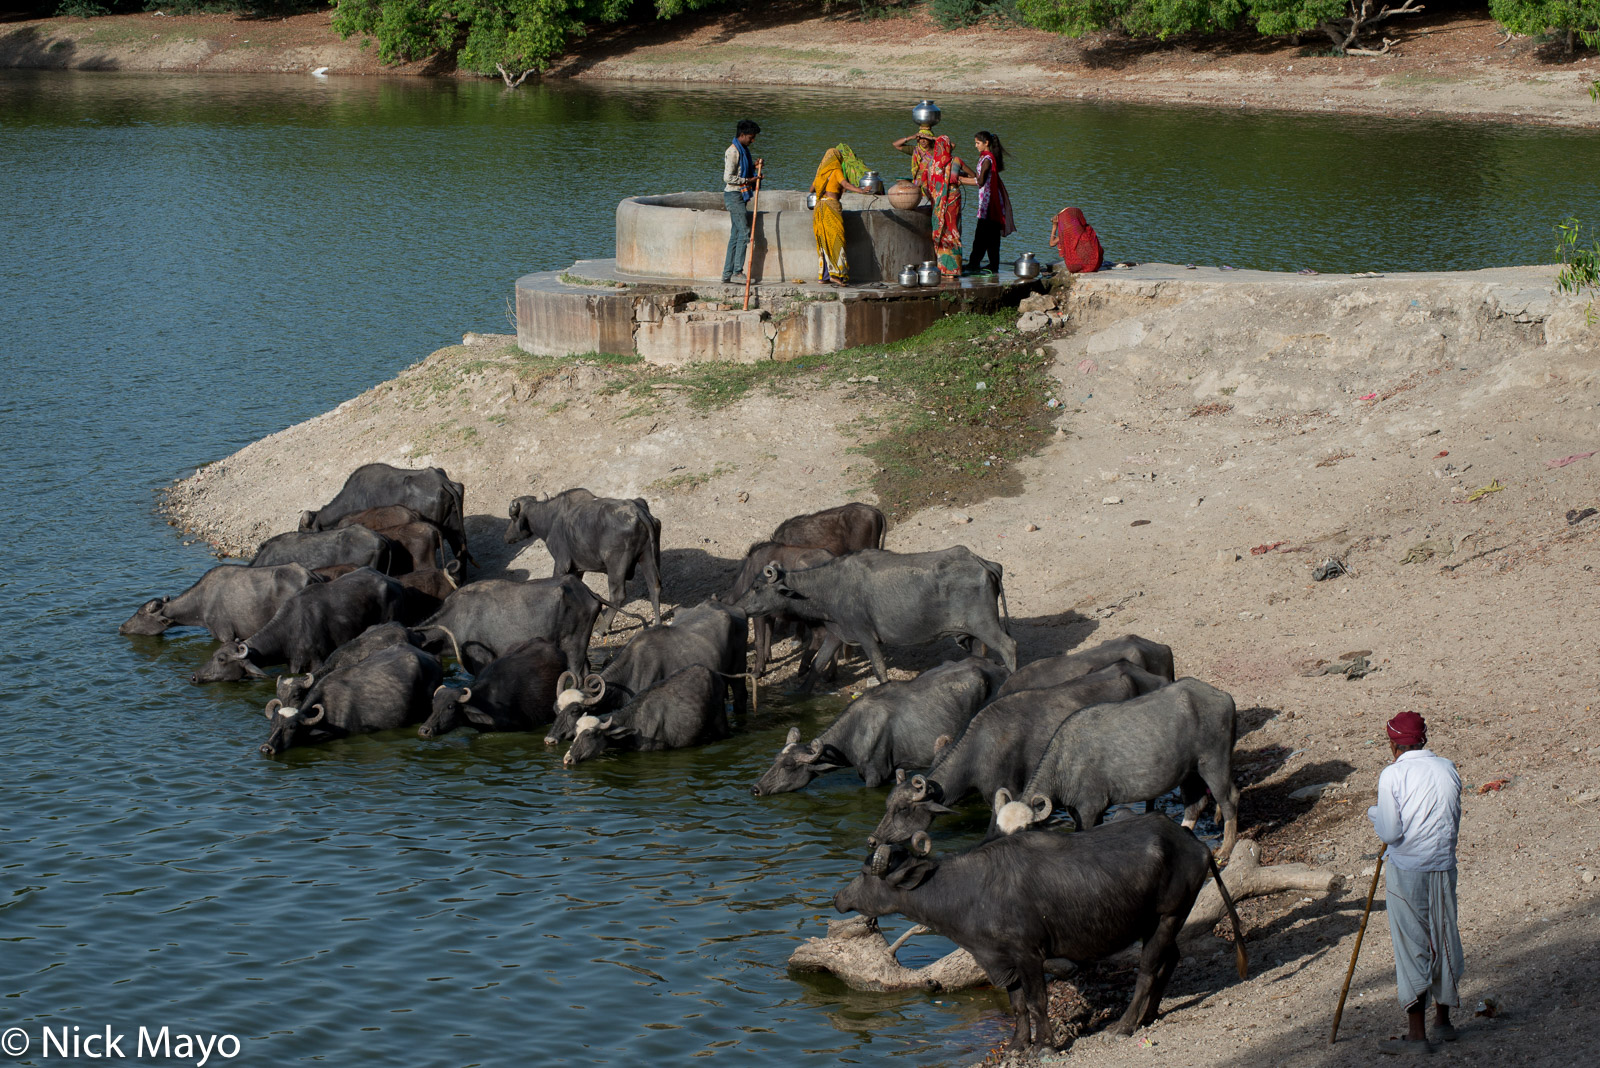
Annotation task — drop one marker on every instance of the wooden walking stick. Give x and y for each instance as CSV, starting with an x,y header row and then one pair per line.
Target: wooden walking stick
x,y
750,249
1360,932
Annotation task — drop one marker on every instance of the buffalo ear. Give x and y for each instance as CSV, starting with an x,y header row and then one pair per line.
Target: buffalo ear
x,y
829,754
476,716
940,743
912,874
933,808
515,509
615,729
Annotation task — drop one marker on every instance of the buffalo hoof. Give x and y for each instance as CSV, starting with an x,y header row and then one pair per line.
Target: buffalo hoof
x,y
1123,1027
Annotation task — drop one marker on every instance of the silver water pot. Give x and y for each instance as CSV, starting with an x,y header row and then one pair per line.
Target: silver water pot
x,y
926,113
1026,266
811,202
872,182
928,273
908,275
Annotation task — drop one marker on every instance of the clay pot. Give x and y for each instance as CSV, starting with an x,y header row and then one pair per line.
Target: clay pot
x,y
904,195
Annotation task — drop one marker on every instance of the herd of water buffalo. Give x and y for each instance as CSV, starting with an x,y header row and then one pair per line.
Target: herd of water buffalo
x,y
360,606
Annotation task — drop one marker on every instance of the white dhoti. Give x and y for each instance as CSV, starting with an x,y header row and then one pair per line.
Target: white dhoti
x,y
1427,943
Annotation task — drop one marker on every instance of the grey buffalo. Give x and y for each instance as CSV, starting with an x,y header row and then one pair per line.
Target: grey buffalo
x,y
687,708
712,635
893,726
331,548
231,601
386,690
1016,902
1053,671
874,598
1001,747
308,627
514,692
480,621
789,558
1180,736
587,533
428,492
840,530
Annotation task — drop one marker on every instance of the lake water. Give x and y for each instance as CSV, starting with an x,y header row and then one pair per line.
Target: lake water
x,y
192,263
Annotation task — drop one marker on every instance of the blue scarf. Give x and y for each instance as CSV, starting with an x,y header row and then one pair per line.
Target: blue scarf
x,y
747,167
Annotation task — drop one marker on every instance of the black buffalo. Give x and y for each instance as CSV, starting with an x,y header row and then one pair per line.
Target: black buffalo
x,y
1016,902
840,530
711,634
480,621
788,557
331,548
688,708
386,690
429,493
514,692
1180,736
230,600
874,598
291,689
1053,671
587,533
892,727
1001,747
308,627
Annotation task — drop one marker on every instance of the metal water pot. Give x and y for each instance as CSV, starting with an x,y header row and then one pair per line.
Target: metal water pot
x,y
811,202
928,273
872,182
925,113
1026,266
908,275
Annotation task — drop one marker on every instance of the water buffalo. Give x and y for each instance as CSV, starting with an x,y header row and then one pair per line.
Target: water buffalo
x,y
420,546
839,530
588,533
291,689
483,620
387,689
873,598
1018,901
428,492
1001,747
1180,736
514,692
380,519
423,592
308,626
710,634
688,708
330,548
788,557
1053,671
894,726
231,601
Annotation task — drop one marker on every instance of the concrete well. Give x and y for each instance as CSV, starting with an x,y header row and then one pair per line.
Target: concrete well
x,y
685,236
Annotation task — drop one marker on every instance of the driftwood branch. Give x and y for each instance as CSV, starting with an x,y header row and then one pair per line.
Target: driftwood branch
x,y
1387,44
856,951
507,77
1346,31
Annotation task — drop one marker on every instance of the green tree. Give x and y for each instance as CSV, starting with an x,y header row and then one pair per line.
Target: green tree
x,y
1141,18
1344,21
1578,19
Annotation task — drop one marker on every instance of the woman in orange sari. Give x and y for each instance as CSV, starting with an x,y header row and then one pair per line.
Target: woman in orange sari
x,y
834,176
937,170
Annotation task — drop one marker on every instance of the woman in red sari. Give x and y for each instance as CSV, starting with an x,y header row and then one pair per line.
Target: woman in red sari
x,y
1079,244
937,170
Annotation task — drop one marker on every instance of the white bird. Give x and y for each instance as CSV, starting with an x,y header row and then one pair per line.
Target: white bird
x,y
320,72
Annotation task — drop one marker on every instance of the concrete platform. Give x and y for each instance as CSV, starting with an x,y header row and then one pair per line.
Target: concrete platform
x,y
594,307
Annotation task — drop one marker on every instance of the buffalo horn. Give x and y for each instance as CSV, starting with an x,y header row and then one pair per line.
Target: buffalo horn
x,y
241,650
321,712
272,707
921,844
1042,806
466,695
567,681
595,687
308,680
880,861
919,788
770,572
793,738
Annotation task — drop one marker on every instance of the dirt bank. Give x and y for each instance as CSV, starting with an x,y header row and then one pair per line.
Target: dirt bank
x,y
1222,435
1447,65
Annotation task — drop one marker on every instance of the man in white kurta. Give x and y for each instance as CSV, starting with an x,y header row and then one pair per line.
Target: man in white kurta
x,y
1418,815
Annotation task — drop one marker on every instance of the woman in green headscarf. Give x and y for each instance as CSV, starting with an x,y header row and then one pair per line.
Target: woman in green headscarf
x,y
839,170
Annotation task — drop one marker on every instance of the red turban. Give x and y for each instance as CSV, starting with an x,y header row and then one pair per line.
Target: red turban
x,y
1408,729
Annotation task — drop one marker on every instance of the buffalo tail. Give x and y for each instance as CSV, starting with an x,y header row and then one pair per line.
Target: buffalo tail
x,y
1239,955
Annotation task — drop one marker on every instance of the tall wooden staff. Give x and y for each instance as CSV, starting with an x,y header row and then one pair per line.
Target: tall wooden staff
x,y
1361,931
750,249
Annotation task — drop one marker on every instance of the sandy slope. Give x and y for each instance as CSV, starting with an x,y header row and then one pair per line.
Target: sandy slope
x,y
1322,417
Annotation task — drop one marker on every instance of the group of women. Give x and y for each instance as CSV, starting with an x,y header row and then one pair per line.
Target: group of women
x,y
940,175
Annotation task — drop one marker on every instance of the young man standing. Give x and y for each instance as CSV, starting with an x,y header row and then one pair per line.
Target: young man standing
x,y
1418,815
738,182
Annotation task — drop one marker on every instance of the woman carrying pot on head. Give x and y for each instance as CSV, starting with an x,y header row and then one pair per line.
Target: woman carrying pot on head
x,y
937,170
839,170
995,219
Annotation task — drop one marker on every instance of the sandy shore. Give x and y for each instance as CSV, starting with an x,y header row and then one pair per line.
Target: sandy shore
x,y
1451,65
1222,434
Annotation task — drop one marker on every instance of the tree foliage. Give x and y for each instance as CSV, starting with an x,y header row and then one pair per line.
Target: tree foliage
x,y
1575,18
1342,20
